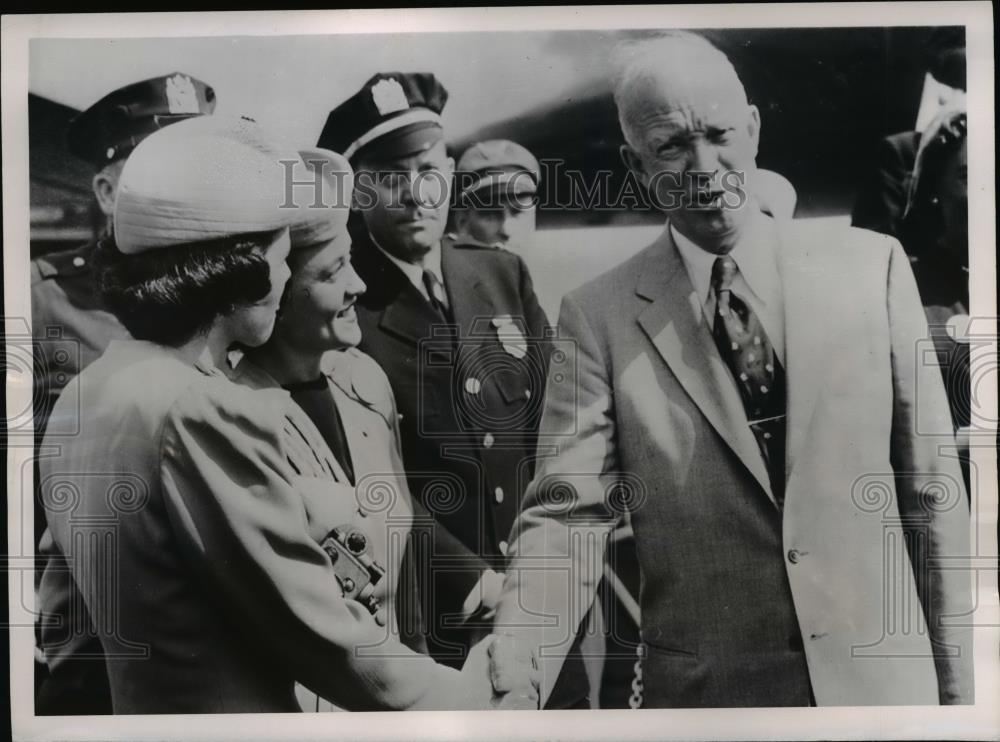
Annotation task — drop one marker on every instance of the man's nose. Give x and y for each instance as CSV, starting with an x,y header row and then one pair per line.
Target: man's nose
x,y
704,158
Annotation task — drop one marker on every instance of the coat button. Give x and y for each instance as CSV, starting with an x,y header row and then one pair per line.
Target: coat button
x,y
503,548
527,394
488,440
79,262
498,494
473,385
794,555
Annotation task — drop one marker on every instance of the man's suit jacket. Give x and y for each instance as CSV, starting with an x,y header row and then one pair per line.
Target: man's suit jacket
x,y
469,409
744,604
882,197
190,511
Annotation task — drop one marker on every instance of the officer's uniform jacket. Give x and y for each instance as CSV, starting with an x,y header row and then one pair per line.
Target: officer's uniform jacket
x,y
469,403
70,325
191,510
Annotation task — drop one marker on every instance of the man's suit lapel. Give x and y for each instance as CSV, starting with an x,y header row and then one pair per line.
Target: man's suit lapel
x,y
471,305
407,314
674,322
808,278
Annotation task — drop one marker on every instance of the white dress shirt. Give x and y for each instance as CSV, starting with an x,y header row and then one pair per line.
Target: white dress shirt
x,y
415,271
757,280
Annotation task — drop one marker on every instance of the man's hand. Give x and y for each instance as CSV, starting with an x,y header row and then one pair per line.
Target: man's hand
x,y
500,675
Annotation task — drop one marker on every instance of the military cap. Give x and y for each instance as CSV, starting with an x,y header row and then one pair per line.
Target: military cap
x,y
111,128
498,164
395,114
206,178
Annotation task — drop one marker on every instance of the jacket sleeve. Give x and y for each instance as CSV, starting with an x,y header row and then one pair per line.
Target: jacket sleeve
x,y
929,485
882,197
228,490
564,522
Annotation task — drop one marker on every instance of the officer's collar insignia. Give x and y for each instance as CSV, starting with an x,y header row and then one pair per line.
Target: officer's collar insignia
x,y
389,97
181,95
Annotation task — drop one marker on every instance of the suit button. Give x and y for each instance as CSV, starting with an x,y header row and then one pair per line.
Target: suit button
x,y
498,494
79,262
473,385
527,394
503,548
488,440
794,555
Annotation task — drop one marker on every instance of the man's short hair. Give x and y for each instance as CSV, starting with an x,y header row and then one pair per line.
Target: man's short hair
x,y
636,59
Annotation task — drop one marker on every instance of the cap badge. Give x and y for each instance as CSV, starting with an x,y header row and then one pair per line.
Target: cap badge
x,y
181,95
389,97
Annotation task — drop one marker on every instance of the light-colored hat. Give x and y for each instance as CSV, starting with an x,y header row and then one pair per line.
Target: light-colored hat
x,y
501,165
321,205
206,178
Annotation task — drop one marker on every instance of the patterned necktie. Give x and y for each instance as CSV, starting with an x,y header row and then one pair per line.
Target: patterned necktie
x,y
745,347
436,296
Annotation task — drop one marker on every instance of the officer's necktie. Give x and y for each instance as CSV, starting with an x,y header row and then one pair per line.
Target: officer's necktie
x,y
316,400
436,296
749,354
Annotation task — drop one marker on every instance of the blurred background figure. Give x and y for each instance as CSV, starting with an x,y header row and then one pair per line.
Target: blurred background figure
x,y
882,198
935,231
497,182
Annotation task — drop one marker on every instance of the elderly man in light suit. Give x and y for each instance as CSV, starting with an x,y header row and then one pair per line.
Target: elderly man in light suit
x,y
750,390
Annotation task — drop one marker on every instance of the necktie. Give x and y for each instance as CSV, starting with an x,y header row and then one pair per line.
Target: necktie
x,y
316,400
746,349
436,296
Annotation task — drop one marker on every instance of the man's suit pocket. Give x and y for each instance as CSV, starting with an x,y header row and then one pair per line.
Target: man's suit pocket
x,y
674,678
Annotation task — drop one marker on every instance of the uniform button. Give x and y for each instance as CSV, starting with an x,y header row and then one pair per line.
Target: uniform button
x,y
79,262
498,494
503,548
488,440
794,555
473,385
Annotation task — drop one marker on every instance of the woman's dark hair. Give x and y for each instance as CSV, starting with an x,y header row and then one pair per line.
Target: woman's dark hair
x,y
169,295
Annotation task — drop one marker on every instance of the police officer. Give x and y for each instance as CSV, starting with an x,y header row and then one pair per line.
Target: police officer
x,y
497,180
71,327
460,334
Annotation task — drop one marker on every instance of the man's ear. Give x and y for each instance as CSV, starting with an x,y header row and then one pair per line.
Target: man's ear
x,y
104,190
633,162
753,127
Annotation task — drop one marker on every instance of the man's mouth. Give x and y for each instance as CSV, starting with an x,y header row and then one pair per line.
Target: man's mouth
x,y
707,200
347,313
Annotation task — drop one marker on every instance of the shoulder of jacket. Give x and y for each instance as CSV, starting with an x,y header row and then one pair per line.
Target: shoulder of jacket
x,y
360,377
75,262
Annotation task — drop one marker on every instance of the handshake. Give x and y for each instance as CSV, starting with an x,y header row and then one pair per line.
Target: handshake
x,y
499,674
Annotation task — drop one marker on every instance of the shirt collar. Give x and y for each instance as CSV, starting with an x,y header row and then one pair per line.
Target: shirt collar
x,y
415,271
754,254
